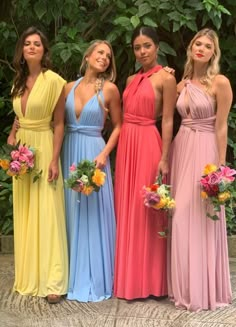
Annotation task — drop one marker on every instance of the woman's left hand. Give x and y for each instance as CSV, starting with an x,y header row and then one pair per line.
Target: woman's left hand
x,y
53,171
101,160
163,168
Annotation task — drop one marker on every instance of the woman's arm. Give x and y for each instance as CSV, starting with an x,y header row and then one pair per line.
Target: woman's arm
x,y
169,100
12,135
112,97
58,124
224,98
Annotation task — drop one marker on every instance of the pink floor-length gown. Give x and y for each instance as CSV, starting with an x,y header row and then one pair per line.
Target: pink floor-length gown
x,y
198,274
140,262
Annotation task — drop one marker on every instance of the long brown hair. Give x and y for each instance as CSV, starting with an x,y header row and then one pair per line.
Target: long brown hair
x,y
20,65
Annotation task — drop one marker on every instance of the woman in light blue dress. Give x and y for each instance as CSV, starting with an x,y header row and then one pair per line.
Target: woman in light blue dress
x,y
91,219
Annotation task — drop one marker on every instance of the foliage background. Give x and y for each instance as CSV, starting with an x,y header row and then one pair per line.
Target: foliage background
x,y
71,24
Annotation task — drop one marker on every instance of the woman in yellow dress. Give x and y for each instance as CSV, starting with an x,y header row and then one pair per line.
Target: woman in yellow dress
x,y
41,262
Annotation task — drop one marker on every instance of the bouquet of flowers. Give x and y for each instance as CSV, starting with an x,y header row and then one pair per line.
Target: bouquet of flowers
x,y
217,186
157,196
85,177
17,160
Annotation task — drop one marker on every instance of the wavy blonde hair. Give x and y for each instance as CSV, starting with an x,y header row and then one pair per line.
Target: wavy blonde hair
x,y
108,75
213,67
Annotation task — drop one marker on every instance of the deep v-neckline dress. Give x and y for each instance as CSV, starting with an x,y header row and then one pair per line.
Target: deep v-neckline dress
x,y
198,273
90,219
41,260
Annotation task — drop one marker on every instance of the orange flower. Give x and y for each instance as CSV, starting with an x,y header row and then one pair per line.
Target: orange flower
x,y
4,163
23,170
87,190
204,195
10,173
98,177
224,196
209,168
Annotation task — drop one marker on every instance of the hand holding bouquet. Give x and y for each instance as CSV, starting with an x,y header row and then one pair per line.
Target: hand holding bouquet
x,y
217,186
157,196
17,160
85,177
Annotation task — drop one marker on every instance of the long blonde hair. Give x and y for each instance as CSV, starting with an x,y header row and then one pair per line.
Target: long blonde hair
x,y
108,75
213,65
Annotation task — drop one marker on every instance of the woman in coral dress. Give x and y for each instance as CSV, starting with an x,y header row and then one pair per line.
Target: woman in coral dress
x,y
41,267
91,219
140,266
199,269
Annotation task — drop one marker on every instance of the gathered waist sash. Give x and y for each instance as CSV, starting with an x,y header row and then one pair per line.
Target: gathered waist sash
x,y
86,130
138,120
36,125
200,125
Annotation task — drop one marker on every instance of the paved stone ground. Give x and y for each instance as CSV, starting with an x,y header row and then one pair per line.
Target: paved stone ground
x,y
17,311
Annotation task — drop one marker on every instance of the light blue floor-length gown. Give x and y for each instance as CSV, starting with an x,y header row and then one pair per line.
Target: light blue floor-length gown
x,y
90,219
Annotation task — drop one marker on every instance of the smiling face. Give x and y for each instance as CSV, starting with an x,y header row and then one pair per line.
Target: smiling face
x,y
100,58
33,49
202,49
145,51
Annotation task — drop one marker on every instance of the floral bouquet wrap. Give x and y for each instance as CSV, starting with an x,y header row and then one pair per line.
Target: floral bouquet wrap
x,y
157,196
85,177
18,160
217,187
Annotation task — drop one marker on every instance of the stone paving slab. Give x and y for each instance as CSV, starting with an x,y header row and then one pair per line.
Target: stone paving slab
x,y
17,310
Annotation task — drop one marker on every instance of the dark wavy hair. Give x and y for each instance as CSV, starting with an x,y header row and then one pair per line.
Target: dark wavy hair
x,y
20,65
147,31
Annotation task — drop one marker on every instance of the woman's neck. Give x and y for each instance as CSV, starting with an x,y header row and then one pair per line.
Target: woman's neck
x,y
34,70
149,67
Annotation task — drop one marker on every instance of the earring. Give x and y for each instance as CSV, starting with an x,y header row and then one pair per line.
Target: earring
x,y
22,62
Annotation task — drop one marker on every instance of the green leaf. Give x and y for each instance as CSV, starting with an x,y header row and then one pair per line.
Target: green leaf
x,y
40,9
135,21
123,21
149,22
65,55
166,48
144,9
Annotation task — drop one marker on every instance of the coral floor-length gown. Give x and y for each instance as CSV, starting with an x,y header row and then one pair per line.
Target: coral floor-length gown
x,y
140,261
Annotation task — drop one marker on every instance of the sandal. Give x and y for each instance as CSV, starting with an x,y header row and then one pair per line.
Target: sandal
x,y
53,298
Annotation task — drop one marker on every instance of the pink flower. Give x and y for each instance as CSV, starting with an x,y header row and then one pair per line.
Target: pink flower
x,y
15,166
227,174
15,154
215,178
73,167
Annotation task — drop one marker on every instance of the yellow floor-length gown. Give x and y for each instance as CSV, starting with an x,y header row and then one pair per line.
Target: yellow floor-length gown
x,y
41,259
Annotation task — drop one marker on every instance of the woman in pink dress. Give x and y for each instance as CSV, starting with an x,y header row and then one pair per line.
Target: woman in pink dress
x,y
140,263
198,276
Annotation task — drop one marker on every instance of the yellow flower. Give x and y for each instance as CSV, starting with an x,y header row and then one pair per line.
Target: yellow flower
x,y
98,177
4,163
204,195
224,196
87,190
171,203
209,168
162,203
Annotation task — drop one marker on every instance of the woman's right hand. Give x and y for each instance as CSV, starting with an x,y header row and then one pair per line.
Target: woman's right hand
x,y
11,140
